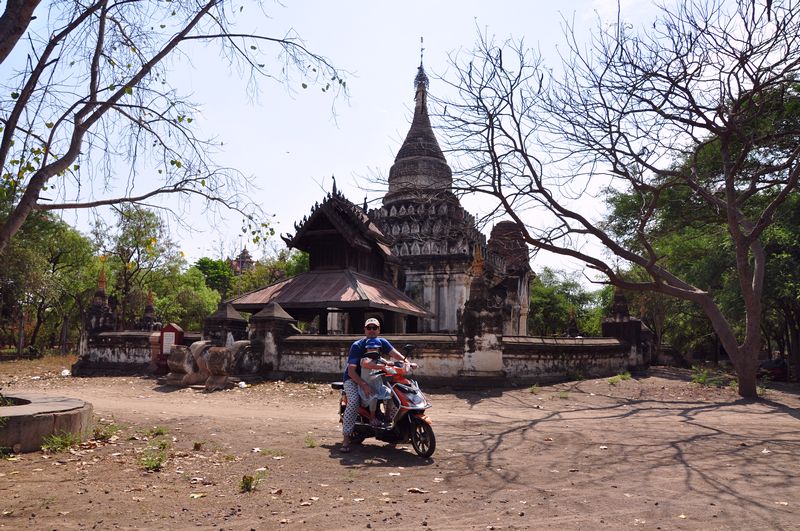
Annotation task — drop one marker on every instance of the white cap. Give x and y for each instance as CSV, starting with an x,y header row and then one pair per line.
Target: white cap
x,y
372,321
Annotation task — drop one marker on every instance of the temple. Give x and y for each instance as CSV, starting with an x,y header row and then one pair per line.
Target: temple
x,y
436,240
418,263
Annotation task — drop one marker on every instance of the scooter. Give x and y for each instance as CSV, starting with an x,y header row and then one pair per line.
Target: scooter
x,y
410,423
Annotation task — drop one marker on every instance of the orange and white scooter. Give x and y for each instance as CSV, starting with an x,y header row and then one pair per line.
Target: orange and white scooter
x,y
410,423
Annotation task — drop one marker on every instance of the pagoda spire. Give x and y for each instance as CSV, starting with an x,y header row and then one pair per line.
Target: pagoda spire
x,y
420,165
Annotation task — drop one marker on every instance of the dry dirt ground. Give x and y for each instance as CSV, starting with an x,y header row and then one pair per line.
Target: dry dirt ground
x,y
653,452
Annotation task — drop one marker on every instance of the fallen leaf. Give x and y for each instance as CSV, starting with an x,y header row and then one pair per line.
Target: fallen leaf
x,y
604,447
682,516
548,439
358,499
573,470
438,480
765,451
394,473
781,503
195,495
255,450
416,490
305,504
277,457
277,491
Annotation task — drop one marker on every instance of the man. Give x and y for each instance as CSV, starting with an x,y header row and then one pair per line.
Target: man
x,y
352,375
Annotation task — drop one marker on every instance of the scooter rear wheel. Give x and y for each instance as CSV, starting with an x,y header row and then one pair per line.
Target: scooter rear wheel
x,y
422,438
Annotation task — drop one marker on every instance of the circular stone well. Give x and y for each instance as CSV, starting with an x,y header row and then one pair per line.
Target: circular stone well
x,y
35,416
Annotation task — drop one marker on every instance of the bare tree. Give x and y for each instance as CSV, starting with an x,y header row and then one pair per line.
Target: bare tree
x,y
93,94
640,112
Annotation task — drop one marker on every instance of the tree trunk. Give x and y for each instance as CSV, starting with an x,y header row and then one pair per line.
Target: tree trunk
x,y
13,23
794,350
64,334
21,339
38,325
745,361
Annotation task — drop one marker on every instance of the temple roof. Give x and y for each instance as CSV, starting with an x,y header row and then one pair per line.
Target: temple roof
x,y
341,288
348,219
226,312
273,310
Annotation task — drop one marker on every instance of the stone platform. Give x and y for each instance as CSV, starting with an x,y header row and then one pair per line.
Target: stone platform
x,y
37,415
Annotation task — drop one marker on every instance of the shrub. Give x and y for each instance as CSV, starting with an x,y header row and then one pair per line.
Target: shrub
x,y
153,459
614,380
104,432
58,442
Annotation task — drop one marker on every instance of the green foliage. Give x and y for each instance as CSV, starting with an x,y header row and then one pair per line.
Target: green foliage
x,y
710,377
614,380
140,257
310,441
47,276
217,273
157,431
104,432
59,442
693,241
284,264
555,295
534,389
153,459
185,299
250,483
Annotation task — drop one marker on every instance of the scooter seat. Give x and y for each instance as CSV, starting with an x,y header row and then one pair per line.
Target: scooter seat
x,y
337,385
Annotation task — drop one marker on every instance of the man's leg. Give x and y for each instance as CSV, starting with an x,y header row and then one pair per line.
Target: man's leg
x,y
350,411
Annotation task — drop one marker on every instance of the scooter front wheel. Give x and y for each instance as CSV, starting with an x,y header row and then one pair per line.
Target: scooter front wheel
x,y
422,438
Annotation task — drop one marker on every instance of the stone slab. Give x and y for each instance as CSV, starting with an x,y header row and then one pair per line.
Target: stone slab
x,y
26,425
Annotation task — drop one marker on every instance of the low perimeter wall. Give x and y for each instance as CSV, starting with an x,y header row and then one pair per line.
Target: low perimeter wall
x,y
127,352
443,359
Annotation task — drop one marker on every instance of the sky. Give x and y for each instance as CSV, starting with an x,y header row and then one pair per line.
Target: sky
x,y
290,141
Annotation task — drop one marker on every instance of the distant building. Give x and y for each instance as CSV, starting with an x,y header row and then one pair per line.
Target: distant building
x,y
242,263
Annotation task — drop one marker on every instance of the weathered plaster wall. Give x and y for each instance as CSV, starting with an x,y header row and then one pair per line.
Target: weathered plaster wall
x,y
121,352
548,359
441,357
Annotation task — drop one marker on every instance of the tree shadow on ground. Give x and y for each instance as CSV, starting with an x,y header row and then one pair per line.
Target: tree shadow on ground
x,y
648,452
